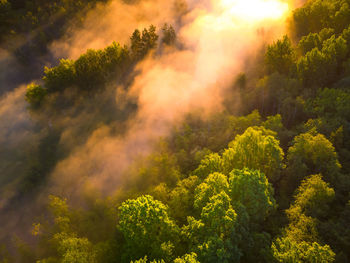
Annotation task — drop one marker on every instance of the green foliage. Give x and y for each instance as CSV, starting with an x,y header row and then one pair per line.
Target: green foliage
x,y
182,198
241,124
35,94
209,164
142,43
318,14
95,66
214,184
319,67
280,56
256,148
322,26
78,235
145,260
311,154
188,258
331,103
60,211
216,236
218,215
90,71
314,40
211,236
337,233
312,198
252,189
159,168
60,77
76,250
263,153
147,229
277,93
286,250
300,242
274,123
169,35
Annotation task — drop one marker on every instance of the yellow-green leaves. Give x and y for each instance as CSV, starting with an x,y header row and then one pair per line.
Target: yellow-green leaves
x,y
147,229
35,95
300,242
287,251
252,189
257,149
280,56
311,154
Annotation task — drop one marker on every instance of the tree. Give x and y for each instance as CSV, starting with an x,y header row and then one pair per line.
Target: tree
x,y
5,18
60,77
35,95
252,189
286,250
188,258
145,260
310,154
182,198
209,164
314,40
219,219
89,69
227,210
136,43
218,214
342,16
169,35
313,17
300,242
141,44
149,38
280,56
76,250
159,168
331,103
313,68
211,237
256,148
147,229
320,67
214,184
61,237
90,72
312,198
272,91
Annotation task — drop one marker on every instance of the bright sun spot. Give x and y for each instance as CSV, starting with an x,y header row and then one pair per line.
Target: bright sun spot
x,y
255,10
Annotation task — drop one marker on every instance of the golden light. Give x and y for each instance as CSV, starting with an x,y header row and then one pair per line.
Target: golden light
x,y
255,10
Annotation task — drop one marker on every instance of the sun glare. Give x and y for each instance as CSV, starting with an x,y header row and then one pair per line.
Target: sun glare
x,y
255,10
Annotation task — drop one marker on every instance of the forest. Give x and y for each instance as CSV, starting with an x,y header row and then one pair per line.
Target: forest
x,y
202,134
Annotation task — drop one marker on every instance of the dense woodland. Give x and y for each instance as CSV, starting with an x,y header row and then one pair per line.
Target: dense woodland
x,y
265,181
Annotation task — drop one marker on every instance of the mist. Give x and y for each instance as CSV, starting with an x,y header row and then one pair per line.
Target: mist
x,y
168,85
213,46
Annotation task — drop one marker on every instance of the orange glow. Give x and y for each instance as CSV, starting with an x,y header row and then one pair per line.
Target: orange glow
x,y
254,10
